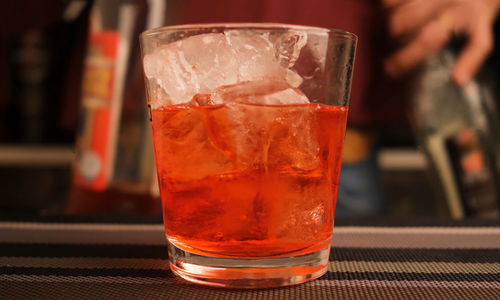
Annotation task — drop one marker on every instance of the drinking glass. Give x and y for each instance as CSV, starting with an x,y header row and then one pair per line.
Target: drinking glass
x,y
248,123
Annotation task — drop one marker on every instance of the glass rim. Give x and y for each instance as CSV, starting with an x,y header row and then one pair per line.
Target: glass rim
x,y
150,33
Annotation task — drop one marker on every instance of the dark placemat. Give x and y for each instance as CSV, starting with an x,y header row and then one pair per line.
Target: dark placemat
x,y
56,261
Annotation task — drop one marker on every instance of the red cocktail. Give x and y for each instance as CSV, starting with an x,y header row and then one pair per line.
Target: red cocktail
x,y
264,187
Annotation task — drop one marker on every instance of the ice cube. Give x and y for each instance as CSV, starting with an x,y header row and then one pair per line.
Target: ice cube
x,y
303,206
258,54
184,149
288,96
239,131
265,91
197,64
294,143
288,47
254,54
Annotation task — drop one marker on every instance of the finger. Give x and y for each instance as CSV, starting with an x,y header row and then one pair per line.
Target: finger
x,y
479,45
413,15
430,39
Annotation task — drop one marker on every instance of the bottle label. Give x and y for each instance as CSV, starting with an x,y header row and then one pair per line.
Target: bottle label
x,y
94,161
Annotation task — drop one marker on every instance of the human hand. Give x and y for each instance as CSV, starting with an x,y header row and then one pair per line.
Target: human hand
x,y
427,25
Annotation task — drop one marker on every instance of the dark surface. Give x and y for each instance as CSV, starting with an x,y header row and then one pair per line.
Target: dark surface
x,y
34,190
84,270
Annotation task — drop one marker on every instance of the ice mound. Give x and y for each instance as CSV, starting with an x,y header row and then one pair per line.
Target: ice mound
x,y
200,64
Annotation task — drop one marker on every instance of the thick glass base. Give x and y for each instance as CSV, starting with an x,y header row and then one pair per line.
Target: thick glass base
x,y
248,273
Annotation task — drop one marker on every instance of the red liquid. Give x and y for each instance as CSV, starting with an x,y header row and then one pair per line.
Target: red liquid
x,y
245,180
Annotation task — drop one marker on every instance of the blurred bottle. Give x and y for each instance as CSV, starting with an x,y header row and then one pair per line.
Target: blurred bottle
x,y
114,167
459,129
30,64
35,57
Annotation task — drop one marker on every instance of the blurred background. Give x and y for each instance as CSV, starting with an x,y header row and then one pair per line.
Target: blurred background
x,y
74,132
